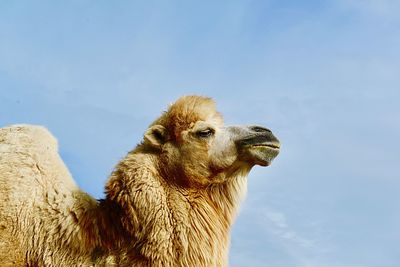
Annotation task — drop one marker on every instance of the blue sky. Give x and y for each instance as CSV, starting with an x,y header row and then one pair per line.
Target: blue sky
x,y
323,75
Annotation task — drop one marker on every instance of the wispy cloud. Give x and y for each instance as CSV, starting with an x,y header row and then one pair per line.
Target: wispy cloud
x,y
277,224
304,251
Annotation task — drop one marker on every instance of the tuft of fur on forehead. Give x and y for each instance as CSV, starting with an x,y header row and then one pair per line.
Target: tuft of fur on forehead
x,y
186,111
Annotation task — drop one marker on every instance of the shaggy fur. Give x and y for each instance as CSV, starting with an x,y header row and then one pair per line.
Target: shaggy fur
x,y
169,202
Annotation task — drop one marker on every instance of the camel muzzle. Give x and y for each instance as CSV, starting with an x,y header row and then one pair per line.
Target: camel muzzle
x,y
259,146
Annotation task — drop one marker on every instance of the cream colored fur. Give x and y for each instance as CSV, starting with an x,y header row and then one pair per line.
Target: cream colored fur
x,y
169,202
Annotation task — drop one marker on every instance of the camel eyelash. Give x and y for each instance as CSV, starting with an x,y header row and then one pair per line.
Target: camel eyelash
x,y
205,133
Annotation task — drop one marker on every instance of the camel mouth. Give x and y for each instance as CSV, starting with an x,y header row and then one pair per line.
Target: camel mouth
x,y
275,146
261,153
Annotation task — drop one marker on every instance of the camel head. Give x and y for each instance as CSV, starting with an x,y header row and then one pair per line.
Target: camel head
x,y
194,148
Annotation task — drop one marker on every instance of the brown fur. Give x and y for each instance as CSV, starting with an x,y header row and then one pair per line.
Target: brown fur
x,y
169,202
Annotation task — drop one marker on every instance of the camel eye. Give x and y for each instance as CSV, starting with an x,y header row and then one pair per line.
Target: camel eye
x,y
205,133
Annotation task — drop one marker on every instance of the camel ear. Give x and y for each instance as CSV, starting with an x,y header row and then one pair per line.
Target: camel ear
x,y
156,135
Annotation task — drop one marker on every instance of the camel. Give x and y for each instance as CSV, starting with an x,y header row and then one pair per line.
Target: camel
x,y
170,202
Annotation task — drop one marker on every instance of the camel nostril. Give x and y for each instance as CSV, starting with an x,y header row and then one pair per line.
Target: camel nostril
x,y
260,129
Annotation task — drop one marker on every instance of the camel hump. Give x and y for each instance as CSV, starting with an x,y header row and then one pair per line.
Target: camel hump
x,y
28,137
